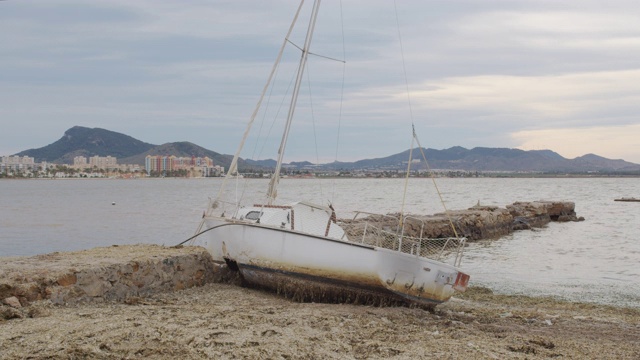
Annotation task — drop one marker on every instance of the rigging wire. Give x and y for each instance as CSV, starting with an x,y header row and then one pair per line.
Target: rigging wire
x,y
273,183
282,104
273,122
314,54
406,81
264,115
233,167
404,66
344,67
415,136
406,180
433,179
313,124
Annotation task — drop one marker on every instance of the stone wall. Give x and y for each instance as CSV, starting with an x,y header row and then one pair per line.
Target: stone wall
x,y
478,222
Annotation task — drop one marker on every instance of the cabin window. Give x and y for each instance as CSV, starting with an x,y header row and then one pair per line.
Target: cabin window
x,y
253,215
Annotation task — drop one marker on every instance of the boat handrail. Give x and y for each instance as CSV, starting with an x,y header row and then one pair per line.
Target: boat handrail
x,y
447,249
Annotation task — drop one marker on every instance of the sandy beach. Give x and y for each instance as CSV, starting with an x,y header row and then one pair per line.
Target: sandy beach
x,y
223,320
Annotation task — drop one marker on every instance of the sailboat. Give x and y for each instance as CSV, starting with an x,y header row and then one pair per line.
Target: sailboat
x,y
302,250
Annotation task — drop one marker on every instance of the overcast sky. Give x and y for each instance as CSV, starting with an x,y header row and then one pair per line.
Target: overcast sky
x,y
558,75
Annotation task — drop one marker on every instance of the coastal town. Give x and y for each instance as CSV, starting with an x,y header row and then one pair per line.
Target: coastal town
x,y
108,167
96,167
160,166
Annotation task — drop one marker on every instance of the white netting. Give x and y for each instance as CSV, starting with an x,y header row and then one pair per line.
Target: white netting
x,y
385,232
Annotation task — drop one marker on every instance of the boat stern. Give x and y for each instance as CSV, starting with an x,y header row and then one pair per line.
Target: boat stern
x,y
462,282
419,279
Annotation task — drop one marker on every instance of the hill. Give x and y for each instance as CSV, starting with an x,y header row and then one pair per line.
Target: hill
x,y
491,159
82,141
485,159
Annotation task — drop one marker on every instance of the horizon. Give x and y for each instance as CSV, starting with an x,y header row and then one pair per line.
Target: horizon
x,y
331,161
524,75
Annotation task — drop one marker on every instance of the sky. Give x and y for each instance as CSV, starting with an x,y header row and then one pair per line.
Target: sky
x,y
532,75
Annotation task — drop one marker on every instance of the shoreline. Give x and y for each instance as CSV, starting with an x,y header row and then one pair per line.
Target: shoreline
x,y
500,176
157,302
223,320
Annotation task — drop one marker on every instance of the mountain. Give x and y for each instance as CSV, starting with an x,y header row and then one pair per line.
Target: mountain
x,y
592,160
492,159
82,141
269,163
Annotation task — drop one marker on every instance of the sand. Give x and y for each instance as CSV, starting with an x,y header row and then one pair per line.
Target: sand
x,y
223,320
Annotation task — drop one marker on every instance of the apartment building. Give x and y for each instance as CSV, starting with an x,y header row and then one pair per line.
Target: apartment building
x,y
195,166
16,163
109,163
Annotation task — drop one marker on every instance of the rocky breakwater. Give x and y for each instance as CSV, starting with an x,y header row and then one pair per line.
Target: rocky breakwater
x,y
480,222
117,273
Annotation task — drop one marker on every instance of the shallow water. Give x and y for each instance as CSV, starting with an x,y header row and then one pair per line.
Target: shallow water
x,y
595,260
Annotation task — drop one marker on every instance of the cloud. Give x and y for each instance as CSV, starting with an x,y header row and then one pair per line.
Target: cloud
x,y
594,98
616,142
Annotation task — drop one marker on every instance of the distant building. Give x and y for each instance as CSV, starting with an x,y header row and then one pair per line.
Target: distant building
x,y
80,162
195,166
16,163
107,162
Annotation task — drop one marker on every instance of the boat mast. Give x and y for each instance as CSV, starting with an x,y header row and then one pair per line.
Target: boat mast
x,y
273,184
233,168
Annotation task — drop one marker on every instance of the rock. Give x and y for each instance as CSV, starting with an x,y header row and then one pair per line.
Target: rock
x,y
38,311
13,302
8,313
67,280
5,290
111,274
520,223
534,213
96,288
476,223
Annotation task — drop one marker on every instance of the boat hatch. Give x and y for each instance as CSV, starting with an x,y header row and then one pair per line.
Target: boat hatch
x,y
253,215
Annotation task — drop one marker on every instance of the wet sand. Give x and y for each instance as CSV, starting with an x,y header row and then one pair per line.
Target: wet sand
x,y
222,320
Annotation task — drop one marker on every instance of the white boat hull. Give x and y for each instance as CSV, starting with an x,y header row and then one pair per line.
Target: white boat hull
x,y
316,268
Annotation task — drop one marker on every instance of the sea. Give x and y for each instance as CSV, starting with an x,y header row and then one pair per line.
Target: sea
x,y
596,260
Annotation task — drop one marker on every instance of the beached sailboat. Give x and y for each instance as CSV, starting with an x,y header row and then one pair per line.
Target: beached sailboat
x,y
303,250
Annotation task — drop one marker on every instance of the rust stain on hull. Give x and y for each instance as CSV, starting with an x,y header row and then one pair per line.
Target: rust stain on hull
x,y
309,288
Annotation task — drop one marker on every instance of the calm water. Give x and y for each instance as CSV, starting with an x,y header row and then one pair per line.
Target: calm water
x,y
596,260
